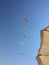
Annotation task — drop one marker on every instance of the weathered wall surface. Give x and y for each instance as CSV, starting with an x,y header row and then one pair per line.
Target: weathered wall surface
x,y
43,53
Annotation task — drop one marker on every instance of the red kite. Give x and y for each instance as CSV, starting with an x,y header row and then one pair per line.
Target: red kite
x,y
26,19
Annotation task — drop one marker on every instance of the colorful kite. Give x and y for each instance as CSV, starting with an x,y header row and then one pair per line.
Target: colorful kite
x,y
26,19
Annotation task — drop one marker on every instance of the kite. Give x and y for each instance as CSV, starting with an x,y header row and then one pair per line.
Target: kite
x,y
21,54
22,49
24,28
26,19
24,35
22,43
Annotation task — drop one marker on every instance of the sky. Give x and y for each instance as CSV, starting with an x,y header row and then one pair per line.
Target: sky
x,y
12,13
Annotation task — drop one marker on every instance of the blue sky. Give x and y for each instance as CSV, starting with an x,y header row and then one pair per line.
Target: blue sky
x,y
12,13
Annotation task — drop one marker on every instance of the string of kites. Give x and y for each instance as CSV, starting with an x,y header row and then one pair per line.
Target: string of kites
x,y
22,43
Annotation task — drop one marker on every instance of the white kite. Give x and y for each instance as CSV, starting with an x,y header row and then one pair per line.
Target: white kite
x,y
24,28
22,43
